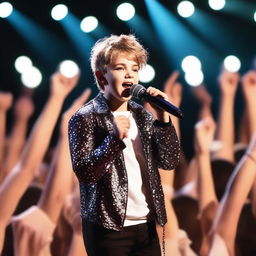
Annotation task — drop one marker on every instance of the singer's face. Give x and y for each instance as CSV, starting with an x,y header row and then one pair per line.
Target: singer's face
x,y
119,76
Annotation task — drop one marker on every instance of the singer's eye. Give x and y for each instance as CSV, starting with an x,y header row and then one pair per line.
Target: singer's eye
x,y
119,68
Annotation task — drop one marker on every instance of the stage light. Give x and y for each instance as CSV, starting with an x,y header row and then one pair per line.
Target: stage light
x,y
69,68
88,24
217,4
5,9
194,78
185,9
254,16
125,11
191,63
31,78
232,63
22,64
147,74
59,12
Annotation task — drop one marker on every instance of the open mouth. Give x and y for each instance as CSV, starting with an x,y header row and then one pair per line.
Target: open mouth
x,y
127,85
126,92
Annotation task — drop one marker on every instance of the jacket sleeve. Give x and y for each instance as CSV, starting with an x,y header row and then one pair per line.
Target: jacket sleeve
x,y
167,145
90,163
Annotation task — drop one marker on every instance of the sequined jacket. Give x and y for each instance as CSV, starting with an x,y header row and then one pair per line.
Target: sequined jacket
x,y
98,161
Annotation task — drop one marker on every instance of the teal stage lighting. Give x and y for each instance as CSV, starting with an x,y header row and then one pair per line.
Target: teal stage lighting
x,y
176,40
46,45
81,41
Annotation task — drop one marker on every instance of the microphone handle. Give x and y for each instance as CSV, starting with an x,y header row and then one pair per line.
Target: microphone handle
x,y
163,104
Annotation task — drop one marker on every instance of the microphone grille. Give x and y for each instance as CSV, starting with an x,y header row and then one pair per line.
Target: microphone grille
x,y
137,90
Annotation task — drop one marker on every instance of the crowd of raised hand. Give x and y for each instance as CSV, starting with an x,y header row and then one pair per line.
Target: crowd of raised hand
x,y
210,199
49,224
212,196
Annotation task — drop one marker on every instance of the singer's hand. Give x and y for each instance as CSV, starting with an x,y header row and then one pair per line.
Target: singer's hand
x,y
161,114
121,126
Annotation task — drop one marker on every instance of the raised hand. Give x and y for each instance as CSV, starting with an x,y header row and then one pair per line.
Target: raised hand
x,y
228,82
60,175
207,201
249,91
249,84
204,99
16,183
5,104
75,106
61,86
173,89
236,193
6,99
225,133
204,133
24,107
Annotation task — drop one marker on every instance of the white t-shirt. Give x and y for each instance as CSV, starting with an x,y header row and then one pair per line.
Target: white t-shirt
x,y
137,206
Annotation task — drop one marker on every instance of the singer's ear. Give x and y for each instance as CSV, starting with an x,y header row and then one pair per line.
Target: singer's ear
x,y
100,78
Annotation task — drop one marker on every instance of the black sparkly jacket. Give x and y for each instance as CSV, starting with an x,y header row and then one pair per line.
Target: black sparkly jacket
x,y
98,161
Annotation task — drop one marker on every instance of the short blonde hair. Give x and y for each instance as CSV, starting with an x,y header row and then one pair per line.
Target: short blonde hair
x,y
107,48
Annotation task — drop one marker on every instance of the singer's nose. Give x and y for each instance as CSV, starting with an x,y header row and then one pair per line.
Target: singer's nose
x,y
128,74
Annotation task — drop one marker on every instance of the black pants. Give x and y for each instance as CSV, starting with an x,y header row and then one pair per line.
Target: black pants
x,y
137,240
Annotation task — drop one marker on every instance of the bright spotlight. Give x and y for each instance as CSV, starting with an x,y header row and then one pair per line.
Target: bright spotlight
x,y
217,4
125,11
59,12
191,63
147,74
185,9
255,16
194,78
31,78
88,24
69,68
5,9
232,63
22,64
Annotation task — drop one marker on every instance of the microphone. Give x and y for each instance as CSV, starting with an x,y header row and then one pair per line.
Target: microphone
x,y
138,91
